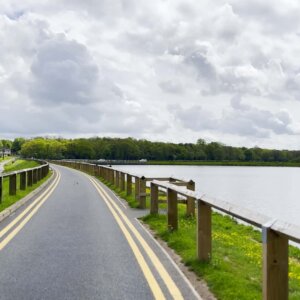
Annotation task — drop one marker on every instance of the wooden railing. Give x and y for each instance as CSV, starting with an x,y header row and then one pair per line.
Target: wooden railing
x,y
27,178
275,233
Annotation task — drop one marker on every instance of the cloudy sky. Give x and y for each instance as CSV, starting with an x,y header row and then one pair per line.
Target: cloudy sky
x,y
174,70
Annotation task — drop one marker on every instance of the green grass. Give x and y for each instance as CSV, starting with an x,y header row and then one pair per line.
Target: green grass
x,y
20,164
224,163
235,270
5,158
8,200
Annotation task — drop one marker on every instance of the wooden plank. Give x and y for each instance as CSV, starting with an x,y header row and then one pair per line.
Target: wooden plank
x,y
13,184
204,235
172,210
128,184
154,199
190,207
291,231
29,177
1,188
122,181
275,265
142,196
137,188
23,181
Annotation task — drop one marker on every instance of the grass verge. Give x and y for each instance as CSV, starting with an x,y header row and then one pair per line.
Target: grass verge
x,y
20,164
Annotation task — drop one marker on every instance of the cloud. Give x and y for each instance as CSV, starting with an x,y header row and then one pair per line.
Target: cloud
x,y
241,119
63,72
130,66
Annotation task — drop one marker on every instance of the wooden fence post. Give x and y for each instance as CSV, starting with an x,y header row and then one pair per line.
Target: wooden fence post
x,y
23,181
122,185
172,210
275,265
34,176
29,177
154,199
142,198
204,236
137,188
1,188
12,184
129,184
190,205
117,179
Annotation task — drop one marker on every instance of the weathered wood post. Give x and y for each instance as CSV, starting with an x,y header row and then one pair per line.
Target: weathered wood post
x,y
113,176
117,178
275,265
34,176
1,188
204,236
122,183
29,177
129,185
190,205
23,181
142,198
172,210
12,184
39,174
154,199
137,188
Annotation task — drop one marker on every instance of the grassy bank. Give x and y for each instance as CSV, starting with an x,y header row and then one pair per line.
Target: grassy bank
x,y
9,200
20,164
224,163
235,270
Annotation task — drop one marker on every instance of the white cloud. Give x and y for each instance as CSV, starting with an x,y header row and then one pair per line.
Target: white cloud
x,y
128,67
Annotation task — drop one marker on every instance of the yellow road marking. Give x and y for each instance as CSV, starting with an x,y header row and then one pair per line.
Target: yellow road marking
x,y
10,236
173,289
156,290
21,215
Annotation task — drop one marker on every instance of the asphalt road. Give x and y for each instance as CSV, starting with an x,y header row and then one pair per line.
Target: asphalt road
x,y
79,241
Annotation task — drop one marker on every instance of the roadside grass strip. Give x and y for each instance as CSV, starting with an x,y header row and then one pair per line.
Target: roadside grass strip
x,y
14,227
170,284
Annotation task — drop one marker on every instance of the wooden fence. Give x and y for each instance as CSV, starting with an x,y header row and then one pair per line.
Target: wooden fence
x,y
275,233
26,178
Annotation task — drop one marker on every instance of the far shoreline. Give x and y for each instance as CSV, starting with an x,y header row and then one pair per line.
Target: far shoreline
x,y
224,163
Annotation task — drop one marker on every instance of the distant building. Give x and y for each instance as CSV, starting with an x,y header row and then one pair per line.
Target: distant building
x,y
6,151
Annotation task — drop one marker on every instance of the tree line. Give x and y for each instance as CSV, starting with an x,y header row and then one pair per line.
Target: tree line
x,y
133,149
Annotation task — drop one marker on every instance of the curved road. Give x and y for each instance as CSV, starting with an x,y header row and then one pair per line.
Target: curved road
x,y
76,240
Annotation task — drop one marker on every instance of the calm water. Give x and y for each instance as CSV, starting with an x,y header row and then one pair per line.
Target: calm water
x,y
272,191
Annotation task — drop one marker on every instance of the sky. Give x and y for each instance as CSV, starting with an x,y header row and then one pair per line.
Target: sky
x,y
176,71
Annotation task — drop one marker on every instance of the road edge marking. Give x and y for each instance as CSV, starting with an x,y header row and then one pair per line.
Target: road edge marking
x,y
27,209
11,235
153,284
183,276
170,284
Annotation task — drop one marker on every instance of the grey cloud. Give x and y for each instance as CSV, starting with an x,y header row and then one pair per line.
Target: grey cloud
x,y
63,72
242,119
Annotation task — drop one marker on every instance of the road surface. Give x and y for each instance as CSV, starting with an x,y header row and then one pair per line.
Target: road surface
x,y
76,240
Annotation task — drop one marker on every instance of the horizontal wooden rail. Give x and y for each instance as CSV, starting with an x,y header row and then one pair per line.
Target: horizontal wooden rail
x,y
27,178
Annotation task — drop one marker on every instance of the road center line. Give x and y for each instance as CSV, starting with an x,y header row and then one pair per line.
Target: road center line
x,y
173,289
154,286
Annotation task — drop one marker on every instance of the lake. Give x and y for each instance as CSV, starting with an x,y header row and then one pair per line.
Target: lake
x,y
272,191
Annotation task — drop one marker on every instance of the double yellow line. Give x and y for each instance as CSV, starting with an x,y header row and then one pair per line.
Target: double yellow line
x,y
121,220
27,214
